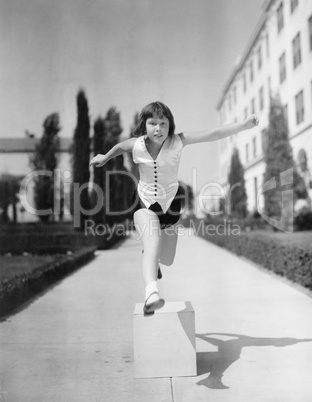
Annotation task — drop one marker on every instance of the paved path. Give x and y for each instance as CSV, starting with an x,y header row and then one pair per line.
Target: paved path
x,y
74,343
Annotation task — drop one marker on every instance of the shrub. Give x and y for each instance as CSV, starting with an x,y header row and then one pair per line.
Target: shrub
x,y
238,197
286,255
303,221
45,158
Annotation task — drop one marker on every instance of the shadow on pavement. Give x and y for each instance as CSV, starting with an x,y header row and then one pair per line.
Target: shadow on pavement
x,y
216,363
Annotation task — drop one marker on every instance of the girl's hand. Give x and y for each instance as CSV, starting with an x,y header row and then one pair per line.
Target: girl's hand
x,y
251,121
98,160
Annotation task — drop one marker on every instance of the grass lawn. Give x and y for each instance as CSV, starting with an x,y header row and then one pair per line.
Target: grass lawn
x,y
13,266
24,276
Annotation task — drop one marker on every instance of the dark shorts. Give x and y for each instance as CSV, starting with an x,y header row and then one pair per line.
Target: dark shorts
x,y
166,219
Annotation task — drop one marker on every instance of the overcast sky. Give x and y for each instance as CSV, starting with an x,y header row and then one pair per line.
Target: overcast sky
x,y
123,53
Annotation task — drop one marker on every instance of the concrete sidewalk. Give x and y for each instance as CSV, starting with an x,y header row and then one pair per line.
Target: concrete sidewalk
x,y
75,343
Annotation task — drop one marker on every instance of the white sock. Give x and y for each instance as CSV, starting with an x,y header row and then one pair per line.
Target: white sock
x,y
151,288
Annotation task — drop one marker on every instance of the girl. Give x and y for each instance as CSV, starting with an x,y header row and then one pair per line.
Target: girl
x,y
157,152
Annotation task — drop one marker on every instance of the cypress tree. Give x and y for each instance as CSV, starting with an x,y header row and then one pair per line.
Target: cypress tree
x,y
237,196
9,189
113,131
99,173
81,156
45,158
133,133
120,189
279,158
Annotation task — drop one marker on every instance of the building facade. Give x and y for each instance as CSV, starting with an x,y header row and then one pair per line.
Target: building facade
x,y
276,60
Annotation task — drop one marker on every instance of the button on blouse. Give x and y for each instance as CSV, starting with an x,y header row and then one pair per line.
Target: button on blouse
x,y
158,178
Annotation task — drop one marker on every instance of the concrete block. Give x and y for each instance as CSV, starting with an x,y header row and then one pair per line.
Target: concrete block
x,y
164,343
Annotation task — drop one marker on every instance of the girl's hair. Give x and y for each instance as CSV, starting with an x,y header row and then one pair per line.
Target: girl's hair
x,y
154,109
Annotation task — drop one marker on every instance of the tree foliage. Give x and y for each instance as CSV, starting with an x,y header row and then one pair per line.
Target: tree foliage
x,y
133,166
45,159
99,137
237,195
81,156
9,188
279,158
187,197
113,190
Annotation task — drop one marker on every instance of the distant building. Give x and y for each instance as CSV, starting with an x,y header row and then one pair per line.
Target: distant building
x,y
277,58
15,156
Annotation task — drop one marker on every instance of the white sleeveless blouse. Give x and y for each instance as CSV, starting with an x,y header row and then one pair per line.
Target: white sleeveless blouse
x,y
158,178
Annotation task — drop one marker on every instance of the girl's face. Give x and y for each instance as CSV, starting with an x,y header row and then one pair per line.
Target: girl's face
x,y
157,129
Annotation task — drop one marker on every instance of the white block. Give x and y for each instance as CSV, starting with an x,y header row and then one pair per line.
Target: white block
x,y
164,343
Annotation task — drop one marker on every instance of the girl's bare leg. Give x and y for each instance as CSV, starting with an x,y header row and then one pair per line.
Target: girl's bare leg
x,y
168,245
148,229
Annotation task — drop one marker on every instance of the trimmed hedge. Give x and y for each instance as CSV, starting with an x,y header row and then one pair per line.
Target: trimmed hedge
x,y
54,238
19,289
286,255
39,239
303,221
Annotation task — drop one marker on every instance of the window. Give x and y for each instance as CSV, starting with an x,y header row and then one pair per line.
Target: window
x,y
286,113
256,190
282,68
280,18
245,113
261,99
247,153
230,103
310,32
253,108
264,134
244,82
303,162
267,45
299,107
259,58
251,72
254,146
296,50
234,94
223,114
293,5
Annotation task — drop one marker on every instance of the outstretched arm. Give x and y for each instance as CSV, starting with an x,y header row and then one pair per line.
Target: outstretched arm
x,y
220,132
119,149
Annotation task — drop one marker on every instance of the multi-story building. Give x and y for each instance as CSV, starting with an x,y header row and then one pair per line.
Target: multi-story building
x,y
277,59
